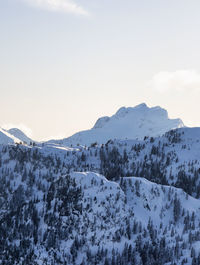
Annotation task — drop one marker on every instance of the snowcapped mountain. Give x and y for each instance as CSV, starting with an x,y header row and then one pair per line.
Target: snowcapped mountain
x,y
20,135
129,201
126,123
12,136
82,205
7,138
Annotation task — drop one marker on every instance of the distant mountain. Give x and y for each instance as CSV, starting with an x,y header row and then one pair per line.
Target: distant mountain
x,y
127,123
20,135
12,136
7,138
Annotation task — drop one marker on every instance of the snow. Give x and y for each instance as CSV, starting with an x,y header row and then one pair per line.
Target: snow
x,y
109,205
153,197
20,135
6,138
126,123
12,136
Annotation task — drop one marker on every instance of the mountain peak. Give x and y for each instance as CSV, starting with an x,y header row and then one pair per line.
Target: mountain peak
x,y
123,110
127,123
12,136
138,113
7,138
142,105
20,135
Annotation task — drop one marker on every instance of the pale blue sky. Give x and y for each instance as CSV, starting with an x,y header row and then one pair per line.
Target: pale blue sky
x,y
60,70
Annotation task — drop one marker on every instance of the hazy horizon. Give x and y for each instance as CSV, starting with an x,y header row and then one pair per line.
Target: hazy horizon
x,y
65,63
30,133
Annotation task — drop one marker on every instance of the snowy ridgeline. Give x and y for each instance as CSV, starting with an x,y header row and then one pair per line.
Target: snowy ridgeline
x,y
51,215
171,159
12,136
126,123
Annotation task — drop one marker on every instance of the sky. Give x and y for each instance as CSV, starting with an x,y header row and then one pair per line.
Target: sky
x,y
65,63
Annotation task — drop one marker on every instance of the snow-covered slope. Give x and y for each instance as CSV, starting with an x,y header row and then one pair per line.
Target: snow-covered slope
x,y
49,217
20,135
171,159
127,123
153,201
6,138
12,136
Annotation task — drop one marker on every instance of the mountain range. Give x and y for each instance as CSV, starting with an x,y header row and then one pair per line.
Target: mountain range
x,y
133,197
127,123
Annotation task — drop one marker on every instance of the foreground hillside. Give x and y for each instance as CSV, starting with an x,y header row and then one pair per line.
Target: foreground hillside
x,y
171,159
51,215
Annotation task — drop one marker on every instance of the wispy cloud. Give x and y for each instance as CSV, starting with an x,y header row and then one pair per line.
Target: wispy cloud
x,y
181,80
66,6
